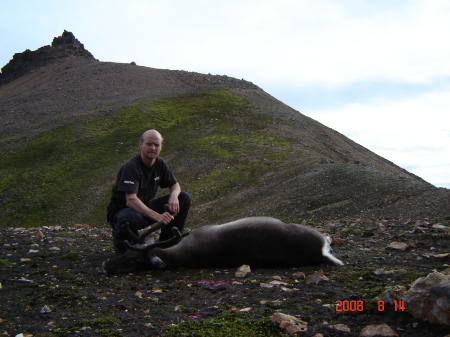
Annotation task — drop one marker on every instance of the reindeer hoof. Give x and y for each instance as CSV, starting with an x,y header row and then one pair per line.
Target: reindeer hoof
x,y
104,269
157,263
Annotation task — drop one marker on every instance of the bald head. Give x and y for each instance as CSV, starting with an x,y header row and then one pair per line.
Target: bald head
x,y
151,145
151,133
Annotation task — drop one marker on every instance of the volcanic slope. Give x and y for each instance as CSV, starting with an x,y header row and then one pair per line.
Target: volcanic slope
x,y
70,121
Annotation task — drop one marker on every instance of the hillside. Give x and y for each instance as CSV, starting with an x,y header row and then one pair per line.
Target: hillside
x,y
70,121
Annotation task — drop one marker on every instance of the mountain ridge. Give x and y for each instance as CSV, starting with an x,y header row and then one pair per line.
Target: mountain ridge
x,y
28,61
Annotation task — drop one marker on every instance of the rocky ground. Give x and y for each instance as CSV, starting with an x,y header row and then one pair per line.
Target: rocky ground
x,y
52,285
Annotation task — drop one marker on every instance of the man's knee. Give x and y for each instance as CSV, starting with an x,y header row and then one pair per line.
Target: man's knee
x,y
132,217
185,199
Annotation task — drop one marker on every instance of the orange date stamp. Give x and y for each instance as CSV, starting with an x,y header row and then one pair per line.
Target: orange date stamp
x,y
399,305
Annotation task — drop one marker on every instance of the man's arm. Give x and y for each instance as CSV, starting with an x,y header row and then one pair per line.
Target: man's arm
x,y
174,204
136,204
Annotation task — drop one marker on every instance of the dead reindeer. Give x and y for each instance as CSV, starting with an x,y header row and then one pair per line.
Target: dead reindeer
x,y
256,241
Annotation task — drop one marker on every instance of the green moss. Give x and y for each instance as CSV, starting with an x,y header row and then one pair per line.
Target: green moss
x,y
347,232
107,326
3,262
69,234
70,256
226,324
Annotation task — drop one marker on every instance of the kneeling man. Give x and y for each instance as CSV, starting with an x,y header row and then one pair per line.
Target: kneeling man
x,y
136,185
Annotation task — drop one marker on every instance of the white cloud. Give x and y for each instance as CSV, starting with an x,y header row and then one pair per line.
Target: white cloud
x,y
291,42
414,132
297,42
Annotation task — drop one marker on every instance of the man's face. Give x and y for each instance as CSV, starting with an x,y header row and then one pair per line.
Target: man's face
x,y
151,146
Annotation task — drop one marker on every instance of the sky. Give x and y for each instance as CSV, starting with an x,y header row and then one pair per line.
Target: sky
x,y
377,71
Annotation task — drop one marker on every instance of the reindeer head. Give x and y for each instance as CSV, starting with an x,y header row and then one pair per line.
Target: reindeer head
x,y
142,253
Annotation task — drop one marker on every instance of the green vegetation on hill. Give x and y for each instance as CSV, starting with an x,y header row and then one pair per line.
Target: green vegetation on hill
x,y
63,176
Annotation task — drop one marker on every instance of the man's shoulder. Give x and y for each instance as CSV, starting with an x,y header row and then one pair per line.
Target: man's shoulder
x,y
160,161
161,164
135,161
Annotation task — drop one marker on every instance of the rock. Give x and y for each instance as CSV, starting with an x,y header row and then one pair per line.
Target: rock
x,y
288,289
45,309
82,226
278,283
28,61
397,245
340,327
298,275
393,293
157,289
242,271
266,285
420,224
291,324
23,279
382,271
215,284
427,299
441,227
440,257
383,330
64,239
317,277
337,242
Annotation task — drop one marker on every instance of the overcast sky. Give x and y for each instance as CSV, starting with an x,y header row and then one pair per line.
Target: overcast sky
x,y
377,71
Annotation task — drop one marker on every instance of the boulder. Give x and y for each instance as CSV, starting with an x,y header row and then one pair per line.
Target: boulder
x,y
427,299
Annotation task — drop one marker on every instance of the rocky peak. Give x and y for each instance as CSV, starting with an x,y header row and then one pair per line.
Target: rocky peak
x,y
28,61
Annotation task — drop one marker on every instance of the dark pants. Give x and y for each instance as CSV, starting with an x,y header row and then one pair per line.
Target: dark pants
x,y
137,221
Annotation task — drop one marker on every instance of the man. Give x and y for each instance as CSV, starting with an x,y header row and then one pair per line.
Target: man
x,y
136,185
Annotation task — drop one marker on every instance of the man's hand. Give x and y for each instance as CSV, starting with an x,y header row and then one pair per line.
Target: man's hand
x,y
136,204
164,218
174,204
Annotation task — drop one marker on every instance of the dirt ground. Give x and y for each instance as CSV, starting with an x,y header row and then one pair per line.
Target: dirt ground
x,y
52,285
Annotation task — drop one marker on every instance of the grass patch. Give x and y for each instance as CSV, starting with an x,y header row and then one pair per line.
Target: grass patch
x,y
63,176
69,234
107,326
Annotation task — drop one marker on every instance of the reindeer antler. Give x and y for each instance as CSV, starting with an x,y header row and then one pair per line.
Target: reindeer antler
x,y
163,244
